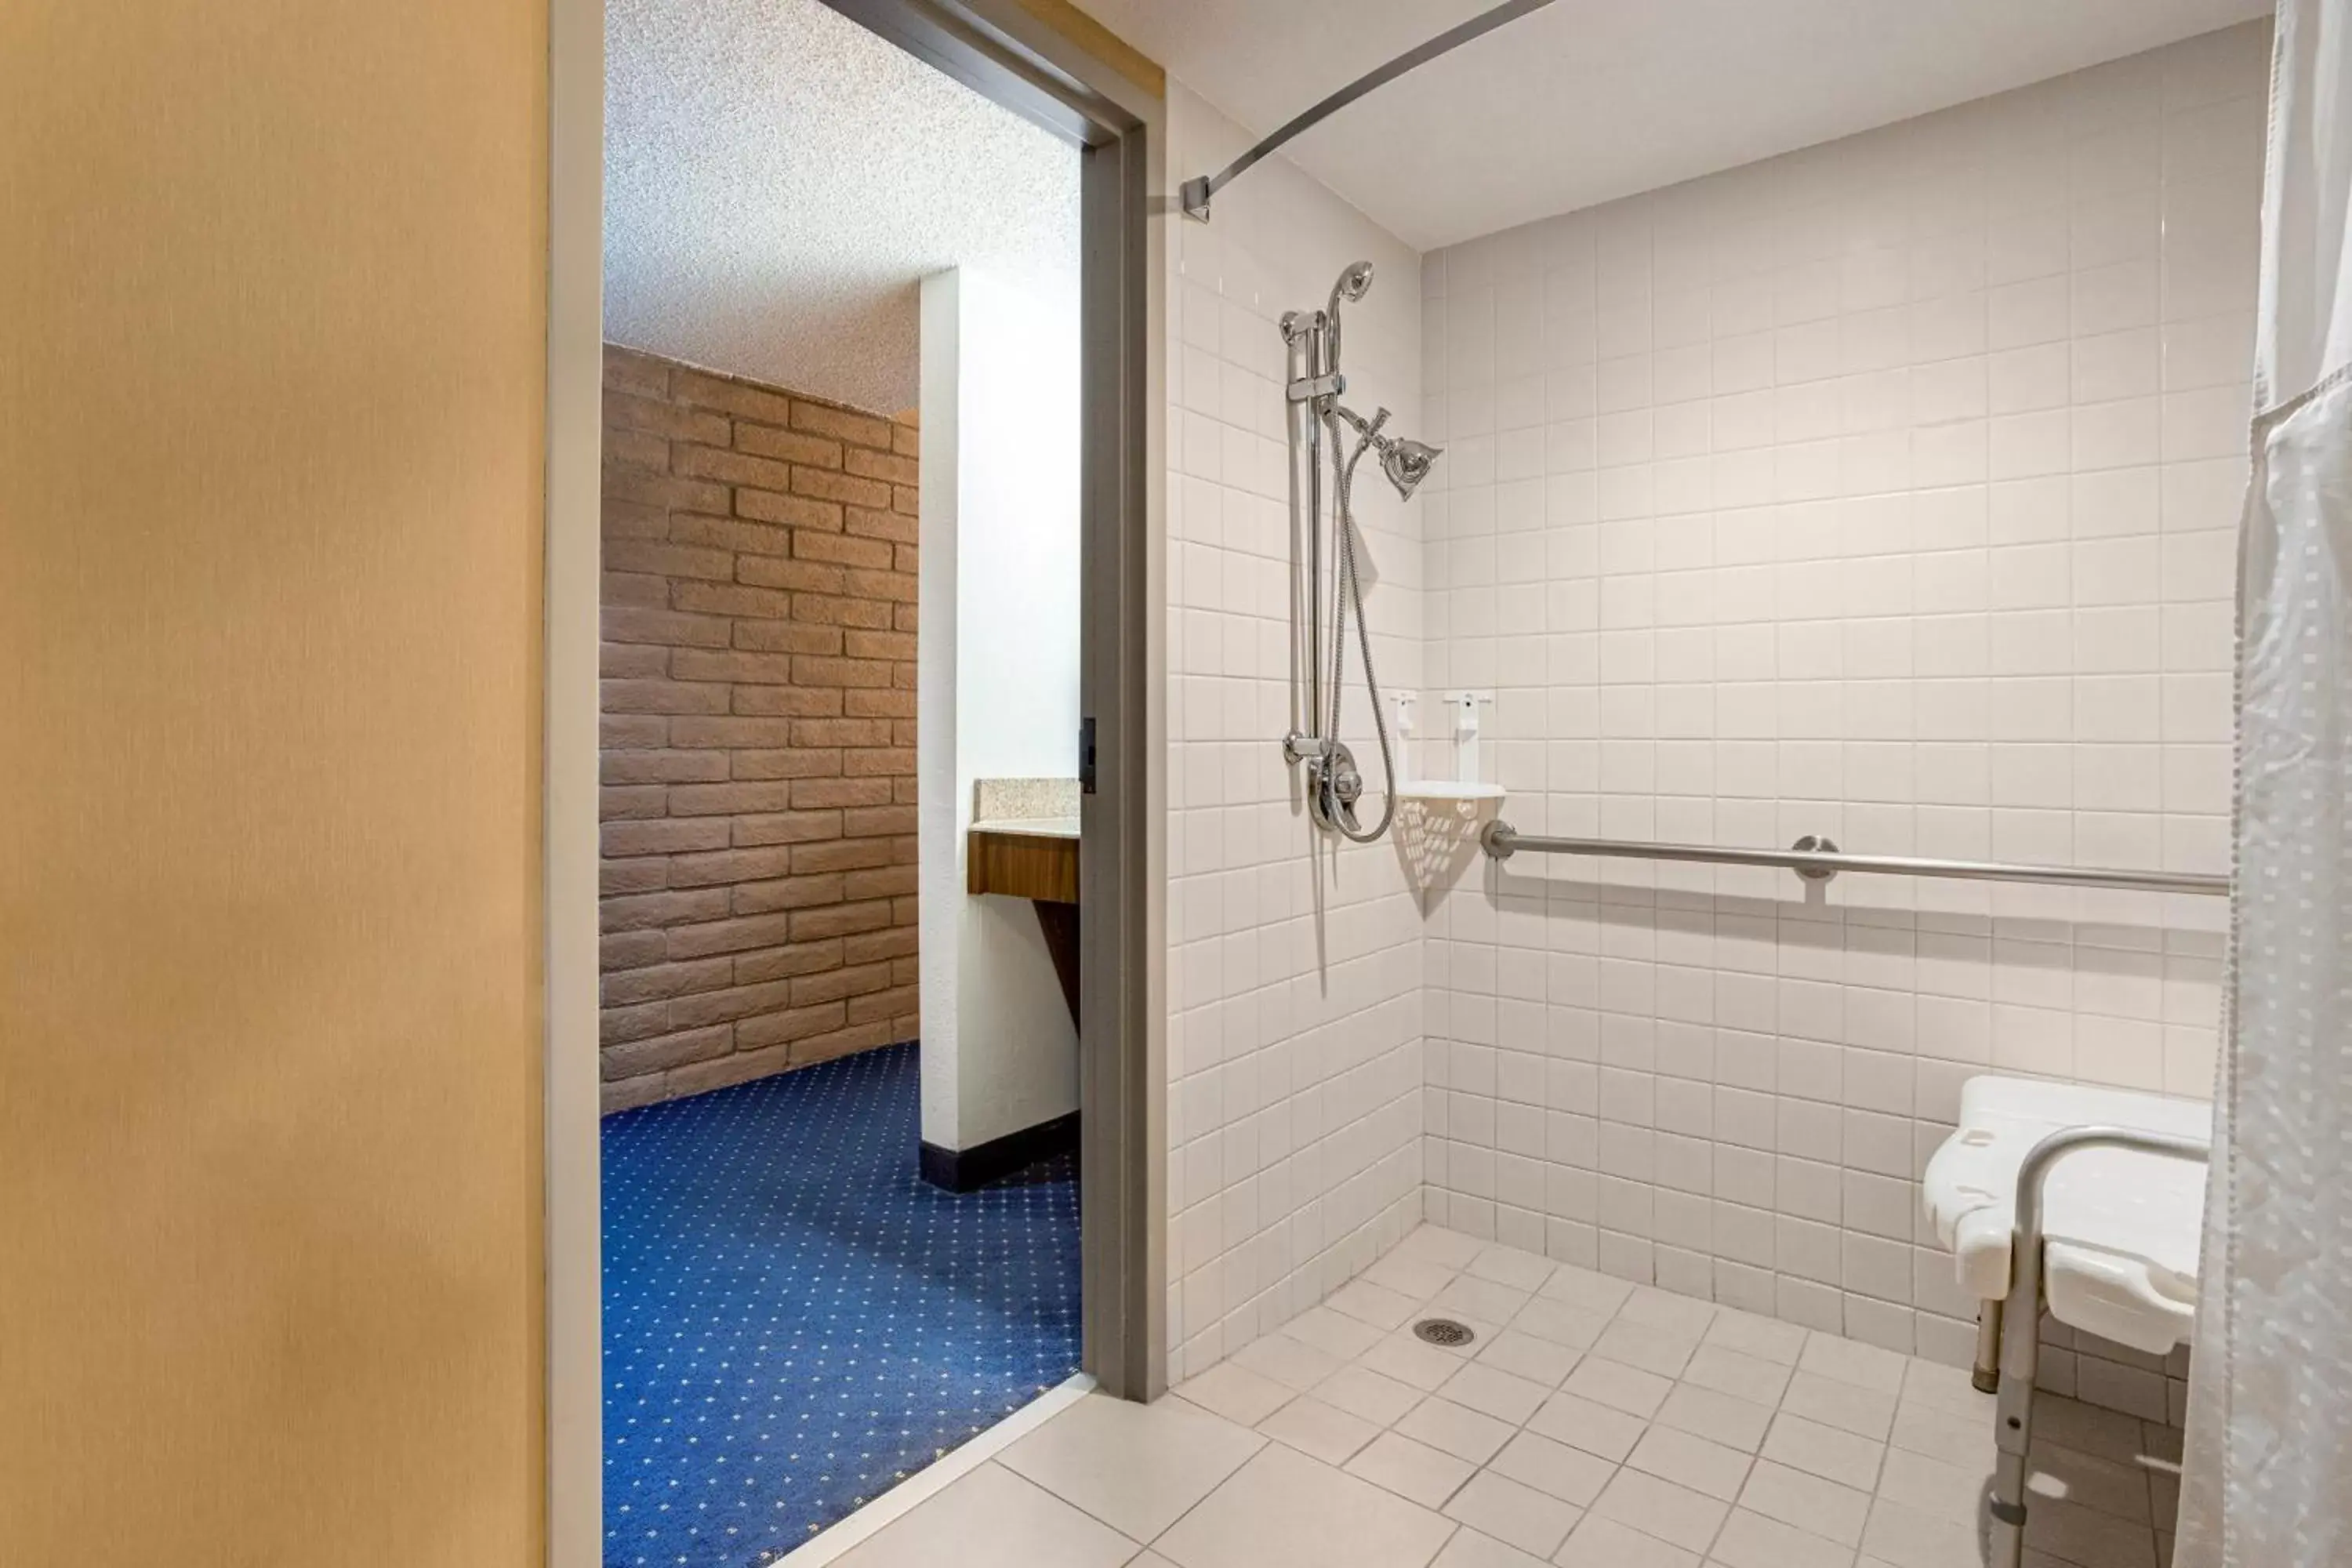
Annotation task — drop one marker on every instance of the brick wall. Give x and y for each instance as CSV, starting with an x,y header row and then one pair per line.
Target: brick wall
x,y
758,730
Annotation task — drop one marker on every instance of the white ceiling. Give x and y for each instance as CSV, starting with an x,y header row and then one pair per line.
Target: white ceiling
x,y
777,180
1591,99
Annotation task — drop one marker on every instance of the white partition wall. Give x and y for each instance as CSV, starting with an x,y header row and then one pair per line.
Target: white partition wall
x,y
997,686
1294,1039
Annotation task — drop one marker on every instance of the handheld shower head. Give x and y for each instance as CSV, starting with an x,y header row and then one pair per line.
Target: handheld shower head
x,y
1355,282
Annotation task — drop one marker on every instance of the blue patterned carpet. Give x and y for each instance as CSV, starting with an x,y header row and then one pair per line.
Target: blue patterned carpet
x,y
794,1320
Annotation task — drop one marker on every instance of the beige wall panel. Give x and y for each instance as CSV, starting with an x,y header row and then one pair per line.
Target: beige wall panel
x,y
272,323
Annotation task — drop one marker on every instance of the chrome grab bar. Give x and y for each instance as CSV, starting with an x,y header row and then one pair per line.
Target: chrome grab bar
x,y
1817,859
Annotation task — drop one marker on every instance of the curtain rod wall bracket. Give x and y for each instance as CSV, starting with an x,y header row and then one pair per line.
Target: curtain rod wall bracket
x,y
1195,192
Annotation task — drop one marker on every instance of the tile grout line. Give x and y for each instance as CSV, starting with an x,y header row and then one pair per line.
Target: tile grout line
x,y
927,1483
1616,1465
1273,1442
1903,1394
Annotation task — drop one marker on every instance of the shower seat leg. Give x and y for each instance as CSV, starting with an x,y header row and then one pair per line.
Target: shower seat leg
x,y
1985,1376
2021,1318
2018,1318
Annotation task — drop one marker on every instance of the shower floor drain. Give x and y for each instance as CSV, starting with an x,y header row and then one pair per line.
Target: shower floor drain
x,y
1443,1331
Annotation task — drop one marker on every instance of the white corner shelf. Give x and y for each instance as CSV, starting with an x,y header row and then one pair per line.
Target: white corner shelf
x,y
1446,789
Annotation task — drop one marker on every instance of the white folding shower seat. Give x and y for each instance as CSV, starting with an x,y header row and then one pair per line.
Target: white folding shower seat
x,y
2089,1201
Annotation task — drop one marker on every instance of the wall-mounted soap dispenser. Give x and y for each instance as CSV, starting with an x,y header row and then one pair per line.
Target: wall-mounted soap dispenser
x,y
1464,707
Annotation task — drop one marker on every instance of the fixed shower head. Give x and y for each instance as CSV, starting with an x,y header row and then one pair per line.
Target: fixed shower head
x,y
1407,463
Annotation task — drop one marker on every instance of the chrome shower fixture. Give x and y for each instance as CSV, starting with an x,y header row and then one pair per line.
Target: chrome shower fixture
x,y
1334,784
1405,462
1354,283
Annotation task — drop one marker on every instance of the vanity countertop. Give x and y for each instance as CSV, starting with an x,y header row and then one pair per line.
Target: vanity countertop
x,y
1032,826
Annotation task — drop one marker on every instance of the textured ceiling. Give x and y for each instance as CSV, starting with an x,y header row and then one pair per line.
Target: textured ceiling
x,y
1591,99
777,180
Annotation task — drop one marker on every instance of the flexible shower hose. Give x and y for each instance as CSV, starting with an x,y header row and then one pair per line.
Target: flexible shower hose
x,y
1346,586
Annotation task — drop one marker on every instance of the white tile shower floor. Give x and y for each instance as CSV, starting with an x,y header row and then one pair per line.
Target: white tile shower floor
x,y
1594,1424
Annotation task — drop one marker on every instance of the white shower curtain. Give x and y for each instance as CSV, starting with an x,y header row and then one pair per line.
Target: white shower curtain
x,y
2267,1481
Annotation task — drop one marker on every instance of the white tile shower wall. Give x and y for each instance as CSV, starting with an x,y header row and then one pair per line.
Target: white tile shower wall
x,y
1294,985
1885,491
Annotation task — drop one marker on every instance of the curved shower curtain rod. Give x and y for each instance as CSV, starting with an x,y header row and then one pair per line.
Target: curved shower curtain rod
x,y
1196,192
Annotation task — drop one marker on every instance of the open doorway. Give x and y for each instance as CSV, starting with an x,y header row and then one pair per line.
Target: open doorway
x,y
832,1253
